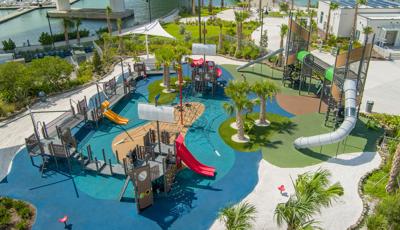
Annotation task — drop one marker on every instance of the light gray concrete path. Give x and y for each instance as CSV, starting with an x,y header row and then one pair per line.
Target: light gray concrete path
x,y
13,134
272,26
226,15
346,169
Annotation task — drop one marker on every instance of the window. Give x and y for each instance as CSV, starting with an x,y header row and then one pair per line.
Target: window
x,y
358,34
321,17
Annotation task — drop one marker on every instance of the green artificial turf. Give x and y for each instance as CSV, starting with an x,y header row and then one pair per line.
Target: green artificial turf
x,y
280,151
165,98
259,136
259,72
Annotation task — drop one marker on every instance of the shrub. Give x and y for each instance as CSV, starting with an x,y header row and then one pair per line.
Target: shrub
x,y
187,37
23,225
377,222
182,29
5,217
6,109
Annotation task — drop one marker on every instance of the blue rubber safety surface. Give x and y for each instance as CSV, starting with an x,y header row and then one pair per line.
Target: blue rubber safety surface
x,y
90,200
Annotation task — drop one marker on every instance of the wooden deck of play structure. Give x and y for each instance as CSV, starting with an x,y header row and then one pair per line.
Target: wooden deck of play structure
x,y
126,141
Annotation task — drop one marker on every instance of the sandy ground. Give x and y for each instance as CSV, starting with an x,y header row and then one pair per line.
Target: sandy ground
x,y
346,169
124,142
299,105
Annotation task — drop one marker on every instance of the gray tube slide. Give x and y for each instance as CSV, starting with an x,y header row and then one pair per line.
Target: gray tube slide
x,y
260,59
350,90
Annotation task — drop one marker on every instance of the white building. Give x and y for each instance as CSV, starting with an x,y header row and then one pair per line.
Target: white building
x,y
383,16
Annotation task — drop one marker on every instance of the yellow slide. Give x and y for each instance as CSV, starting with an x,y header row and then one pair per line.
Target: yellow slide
x,y
113,116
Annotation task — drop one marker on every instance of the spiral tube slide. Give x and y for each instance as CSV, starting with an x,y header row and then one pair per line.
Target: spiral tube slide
x,y
350,90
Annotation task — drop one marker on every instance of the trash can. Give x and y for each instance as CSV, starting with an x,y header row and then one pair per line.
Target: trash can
x,y
370,105
42,96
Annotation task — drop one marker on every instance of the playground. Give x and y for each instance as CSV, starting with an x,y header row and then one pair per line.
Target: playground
x,y
158,153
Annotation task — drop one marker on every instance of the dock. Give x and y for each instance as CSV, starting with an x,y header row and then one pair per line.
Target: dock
x,y
90,13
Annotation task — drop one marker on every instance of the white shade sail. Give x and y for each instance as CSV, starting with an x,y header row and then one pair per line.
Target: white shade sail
x,y
156,113
153,28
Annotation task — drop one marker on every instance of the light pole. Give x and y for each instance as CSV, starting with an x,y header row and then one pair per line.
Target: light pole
x,y
199,6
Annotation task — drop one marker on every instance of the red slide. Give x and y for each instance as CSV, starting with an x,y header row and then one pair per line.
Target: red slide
x,y
190,161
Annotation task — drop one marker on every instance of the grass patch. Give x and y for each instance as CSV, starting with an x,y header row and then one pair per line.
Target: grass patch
x,y
165,98
276,14
376,183
280,151
259,136
260,72
204,12
212,30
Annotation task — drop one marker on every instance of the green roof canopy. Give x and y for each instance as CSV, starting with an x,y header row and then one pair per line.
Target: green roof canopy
x,y
301,55
329,73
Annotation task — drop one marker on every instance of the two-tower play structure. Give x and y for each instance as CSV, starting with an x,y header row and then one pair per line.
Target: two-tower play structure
x,y
340,85
150,167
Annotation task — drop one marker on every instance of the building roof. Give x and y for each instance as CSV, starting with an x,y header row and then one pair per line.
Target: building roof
x,y
371,3
381,16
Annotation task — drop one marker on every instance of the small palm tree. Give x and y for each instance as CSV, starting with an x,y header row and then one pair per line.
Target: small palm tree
x,y
394,172
312,192
165,56
367,31
67,24
78,23
283,32
108,14
119,26
356,7
240,17
237,91
265,90
238,217
332,6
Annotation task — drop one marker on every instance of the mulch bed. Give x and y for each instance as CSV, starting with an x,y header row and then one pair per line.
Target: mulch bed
x,y
300,104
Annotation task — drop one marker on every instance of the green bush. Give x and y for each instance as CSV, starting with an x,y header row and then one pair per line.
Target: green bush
x,y
6,109
5,217
377,222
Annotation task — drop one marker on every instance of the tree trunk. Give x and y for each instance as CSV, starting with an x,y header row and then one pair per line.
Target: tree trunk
x,y
193,7
239,37
328,24
262,111
220,39
240,126
280,54
222,4
109,25
292,5
66,35
353,32
202,3
165,81
394,172
308,5
78,36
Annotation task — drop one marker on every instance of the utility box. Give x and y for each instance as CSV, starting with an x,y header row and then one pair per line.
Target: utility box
x,y
370,105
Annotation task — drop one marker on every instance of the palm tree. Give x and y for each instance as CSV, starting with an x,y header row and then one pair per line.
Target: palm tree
x,y
119,26
312,192
264,90
165,56
367,31
394,171
332,6
222,4
78,35
210,6
356,7
108,14
238,217
237,91
240,16
66,23
283,32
